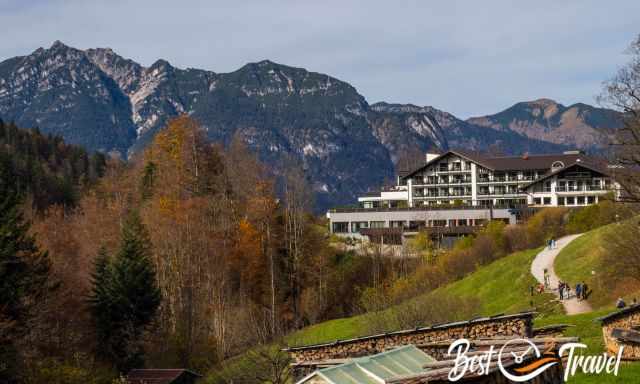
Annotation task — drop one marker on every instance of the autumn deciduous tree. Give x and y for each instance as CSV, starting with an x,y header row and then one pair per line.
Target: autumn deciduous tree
x,y
622,92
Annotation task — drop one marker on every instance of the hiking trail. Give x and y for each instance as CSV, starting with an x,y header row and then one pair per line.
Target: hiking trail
x,y
545,259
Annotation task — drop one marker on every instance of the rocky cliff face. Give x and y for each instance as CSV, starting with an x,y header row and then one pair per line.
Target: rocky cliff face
x,y
579,125
405,127
61,91
105,102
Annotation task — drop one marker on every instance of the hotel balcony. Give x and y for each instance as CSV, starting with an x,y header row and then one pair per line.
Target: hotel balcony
x,y
581,188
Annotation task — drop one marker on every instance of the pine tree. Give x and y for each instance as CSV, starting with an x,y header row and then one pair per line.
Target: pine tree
x,y
125,296
100,301
24,270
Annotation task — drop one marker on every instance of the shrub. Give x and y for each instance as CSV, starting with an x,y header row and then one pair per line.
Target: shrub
x,y
515,238
544,225
597,215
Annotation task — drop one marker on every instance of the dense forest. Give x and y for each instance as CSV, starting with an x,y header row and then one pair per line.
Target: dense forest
x,y
46,169
184,256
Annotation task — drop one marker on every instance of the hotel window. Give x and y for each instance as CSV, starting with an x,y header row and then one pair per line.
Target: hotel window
x,y
560,200
443,167
377,224
536,201
356,226
547,201
571,200
340,227
580,200
591,200
417,224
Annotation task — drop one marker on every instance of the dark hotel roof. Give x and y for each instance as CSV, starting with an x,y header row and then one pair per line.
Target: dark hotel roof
x,y
513,163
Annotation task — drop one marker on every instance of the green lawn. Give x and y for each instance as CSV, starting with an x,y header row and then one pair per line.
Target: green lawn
x,y
503,286
581,260
331,330
500,287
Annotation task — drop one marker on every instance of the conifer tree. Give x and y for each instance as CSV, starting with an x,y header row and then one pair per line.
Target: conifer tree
x,y
24,271
100,301
125,296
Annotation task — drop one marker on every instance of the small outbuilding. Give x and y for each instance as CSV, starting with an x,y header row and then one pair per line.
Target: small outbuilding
x,y
162,376
375,369
622,328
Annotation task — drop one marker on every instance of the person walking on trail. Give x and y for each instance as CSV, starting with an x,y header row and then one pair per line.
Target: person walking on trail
x,y
579,291
561,290
585,291
546,278
620,303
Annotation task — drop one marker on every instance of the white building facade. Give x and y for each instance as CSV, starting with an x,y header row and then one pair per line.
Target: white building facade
x,y
459,178
462,189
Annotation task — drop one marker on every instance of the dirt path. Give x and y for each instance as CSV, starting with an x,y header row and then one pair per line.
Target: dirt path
x,y
545,259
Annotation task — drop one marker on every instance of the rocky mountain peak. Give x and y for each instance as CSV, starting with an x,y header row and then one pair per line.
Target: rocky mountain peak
x,y
126,73
103,101
58,45
543,102
579,125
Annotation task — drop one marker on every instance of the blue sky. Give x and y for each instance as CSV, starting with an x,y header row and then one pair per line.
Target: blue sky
x,y
466,57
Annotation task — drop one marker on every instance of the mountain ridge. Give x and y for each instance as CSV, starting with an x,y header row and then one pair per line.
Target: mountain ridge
x,y
581,125
103,101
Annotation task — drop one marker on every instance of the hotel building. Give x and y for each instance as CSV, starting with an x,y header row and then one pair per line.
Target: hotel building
x,y
460,189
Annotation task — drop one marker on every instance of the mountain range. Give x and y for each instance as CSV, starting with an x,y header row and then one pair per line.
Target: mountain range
x,y
104,102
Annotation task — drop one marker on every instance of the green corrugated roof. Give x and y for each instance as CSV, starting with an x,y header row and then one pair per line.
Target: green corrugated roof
x,y
348,373
375,369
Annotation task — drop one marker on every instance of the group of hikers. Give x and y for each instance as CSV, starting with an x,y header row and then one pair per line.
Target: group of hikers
x,y
564,289
581,291
551,243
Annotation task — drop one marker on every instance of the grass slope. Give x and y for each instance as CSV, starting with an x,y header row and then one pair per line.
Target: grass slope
x,y
504,287
581,260
500,287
